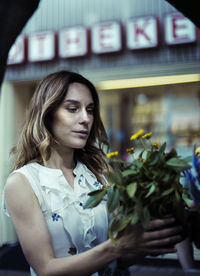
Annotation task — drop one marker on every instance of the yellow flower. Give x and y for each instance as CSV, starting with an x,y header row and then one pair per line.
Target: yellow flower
x,y
197,151
155,145
147,136
112,154
137,135
130,150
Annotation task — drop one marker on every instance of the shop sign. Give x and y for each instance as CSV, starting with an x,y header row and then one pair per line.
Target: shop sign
x,y
41,46
17,52
73,42
142,33
106,38
179,30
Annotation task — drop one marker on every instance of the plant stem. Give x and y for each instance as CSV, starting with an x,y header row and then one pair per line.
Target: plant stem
x,y
142,142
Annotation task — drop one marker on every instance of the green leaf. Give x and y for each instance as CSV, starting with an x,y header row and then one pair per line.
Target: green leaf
x,y
95,192
116,177
113,200
177,163
162,148
111,221
187,159
141,153
138,164
110,191
166,178
187,200
121,224
134,218
155,157
129,172
110,235
131,189
167,192
95,199
171,154
151,190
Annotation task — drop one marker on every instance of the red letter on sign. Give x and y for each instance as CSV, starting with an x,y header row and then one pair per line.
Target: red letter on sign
x,y
73,42
41,46
41,39
179,29
105,32
176,26
141,31
106,38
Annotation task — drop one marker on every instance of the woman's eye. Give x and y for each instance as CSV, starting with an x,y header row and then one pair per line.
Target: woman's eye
x,y
90,110
72,109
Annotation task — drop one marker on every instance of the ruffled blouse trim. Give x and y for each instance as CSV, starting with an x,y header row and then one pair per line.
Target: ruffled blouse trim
x,y
60,196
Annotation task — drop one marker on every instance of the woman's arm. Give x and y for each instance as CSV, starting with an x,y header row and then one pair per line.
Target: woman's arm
x,y
35,240
185,254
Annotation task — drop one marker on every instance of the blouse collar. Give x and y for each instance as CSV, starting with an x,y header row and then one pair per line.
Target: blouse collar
x,y
78,170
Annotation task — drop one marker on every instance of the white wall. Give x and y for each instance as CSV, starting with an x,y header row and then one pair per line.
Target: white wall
x,y
13,103
7,233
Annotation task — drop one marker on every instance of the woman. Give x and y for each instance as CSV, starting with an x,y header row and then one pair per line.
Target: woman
x,y
58,160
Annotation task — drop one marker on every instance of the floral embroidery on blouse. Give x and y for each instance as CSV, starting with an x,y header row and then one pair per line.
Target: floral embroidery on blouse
x,y
72,251
96,184
55,217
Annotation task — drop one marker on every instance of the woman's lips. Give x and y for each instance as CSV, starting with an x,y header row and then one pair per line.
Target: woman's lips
x,y
82,133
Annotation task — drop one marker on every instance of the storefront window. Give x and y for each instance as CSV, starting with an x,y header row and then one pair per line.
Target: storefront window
x,y
171,112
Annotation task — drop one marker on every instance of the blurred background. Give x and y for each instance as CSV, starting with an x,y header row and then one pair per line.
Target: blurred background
x,y
143,57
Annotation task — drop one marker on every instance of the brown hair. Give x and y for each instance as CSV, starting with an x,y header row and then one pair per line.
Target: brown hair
x,y
36,138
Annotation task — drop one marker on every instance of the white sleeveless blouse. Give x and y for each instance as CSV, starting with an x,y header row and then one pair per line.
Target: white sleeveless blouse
x,y
73,229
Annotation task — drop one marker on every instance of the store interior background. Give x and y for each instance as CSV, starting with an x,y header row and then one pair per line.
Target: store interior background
x,y
171,112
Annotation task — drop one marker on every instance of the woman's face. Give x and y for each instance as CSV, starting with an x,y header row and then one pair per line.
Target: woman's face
x,y
72,121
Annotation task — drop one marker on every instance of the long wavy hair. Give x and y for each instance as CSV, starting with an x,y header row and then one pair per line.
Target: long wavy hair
x,y
36,139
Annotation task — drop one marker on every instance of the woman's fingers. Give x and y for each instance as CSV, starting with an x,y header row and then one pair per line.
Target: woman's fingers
x,y
163,233
157,223
158,243
152,248
160,251
160,237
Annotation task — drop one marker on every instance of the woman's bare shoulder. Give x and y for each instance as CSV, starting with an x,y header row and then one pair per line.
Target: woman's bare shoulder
x,y
18,190
16,181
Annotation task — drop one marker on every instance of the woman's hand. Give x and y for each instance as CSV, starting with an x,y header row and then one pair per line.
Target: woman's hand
x,y
159,238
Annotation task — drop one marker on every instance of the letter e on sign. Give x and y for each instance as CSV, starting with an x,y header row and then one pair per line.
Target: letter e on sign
x,y
106,38
142,32
179,29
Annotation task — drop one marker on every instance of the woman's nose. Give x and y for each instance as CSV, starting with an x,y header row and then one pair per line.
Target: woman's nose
x,y
85,116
